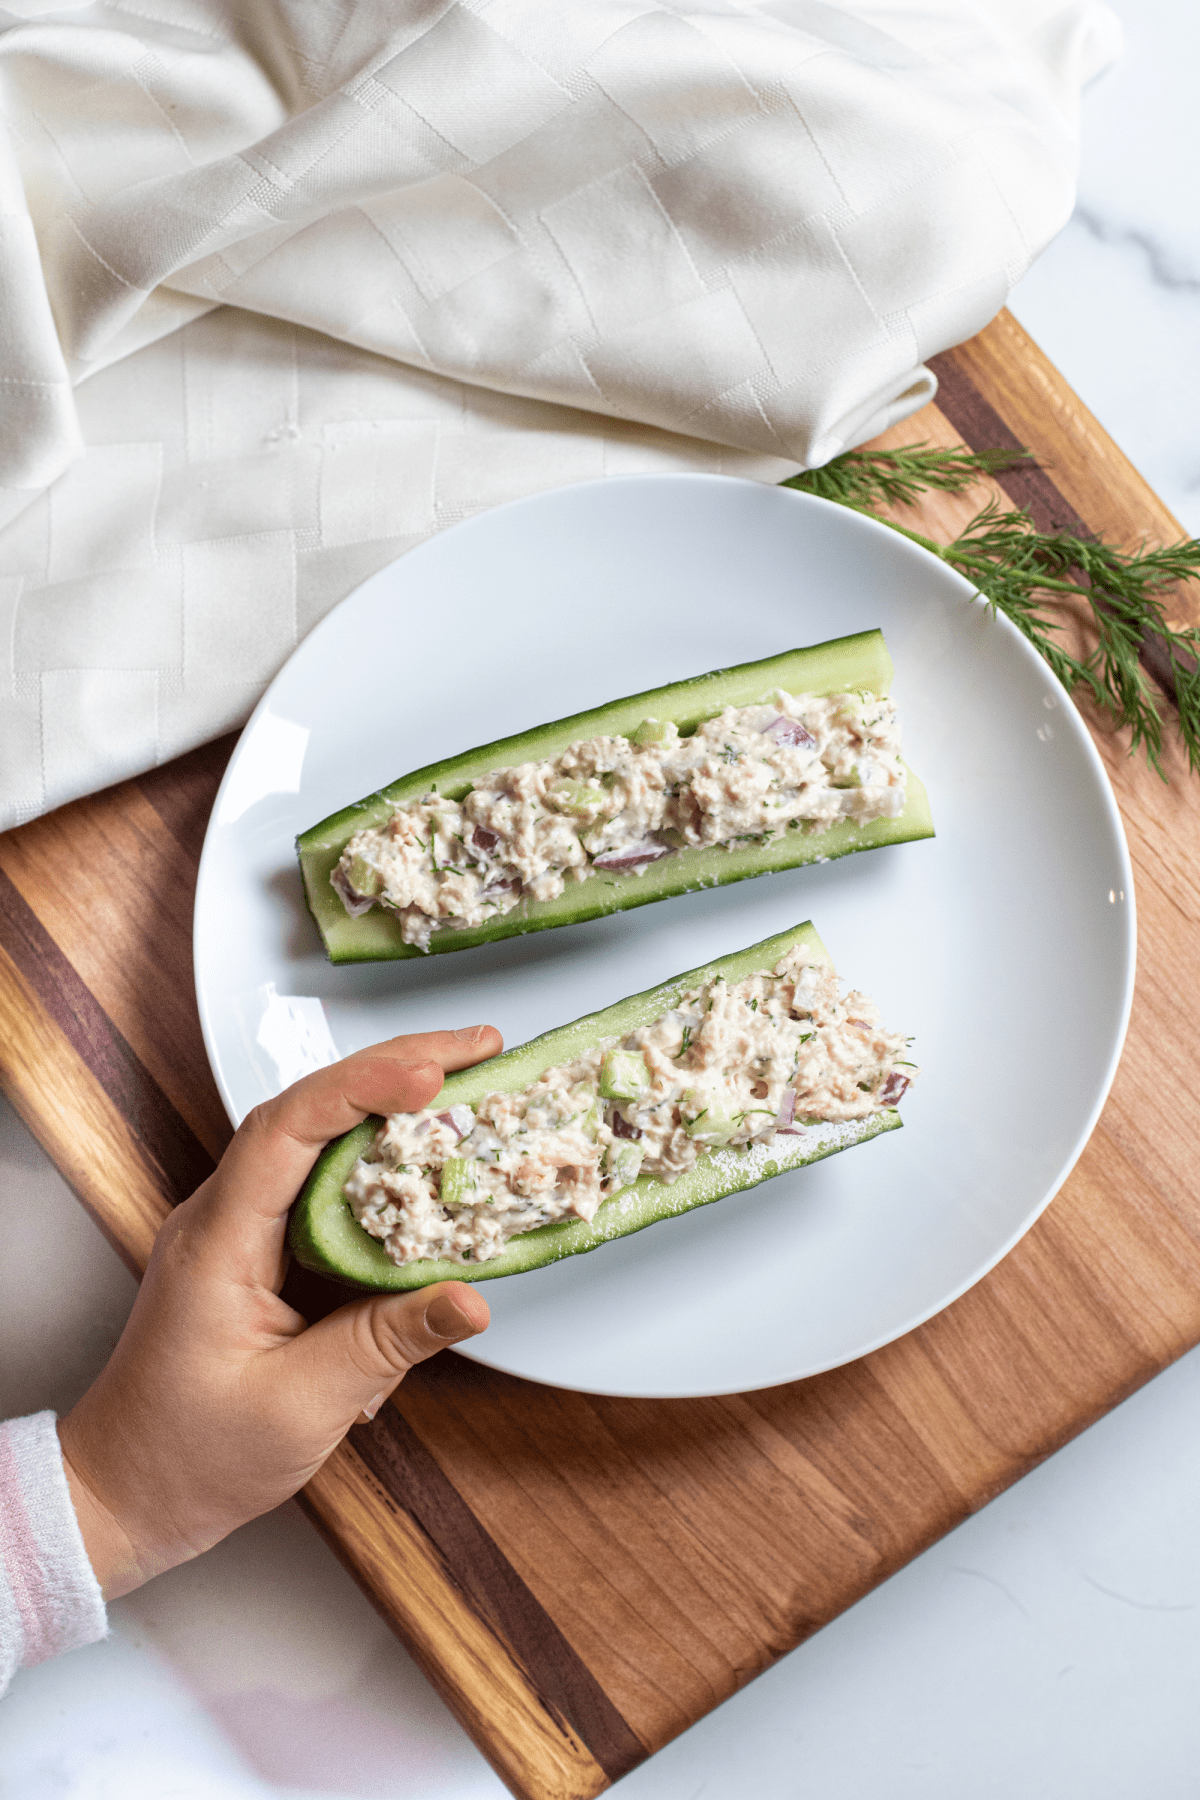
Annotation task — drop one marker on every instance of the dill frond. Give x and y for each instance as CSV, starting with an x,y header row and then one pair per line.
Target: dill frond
x,y
871,478
1022,572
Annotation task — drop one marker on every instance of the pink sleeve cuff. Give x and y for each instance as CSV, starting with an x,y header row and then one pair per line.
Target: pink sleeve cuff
x,y
50,1599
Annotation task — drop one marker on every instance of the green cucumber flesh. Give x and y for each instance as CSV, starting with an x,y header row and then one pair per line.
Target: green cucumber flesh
x,y
623,1076
860,662
651,731
625,1160
703,1120
324,1234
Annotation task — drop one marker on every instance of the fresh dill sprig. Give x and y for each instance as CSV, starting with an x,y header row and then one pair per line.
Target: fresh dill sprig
x,y
1023,572
870,478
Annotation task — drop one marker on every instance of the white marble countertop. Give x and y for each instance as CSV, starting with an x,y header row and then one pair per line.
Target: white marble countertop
x,y
1048,1647
1115,301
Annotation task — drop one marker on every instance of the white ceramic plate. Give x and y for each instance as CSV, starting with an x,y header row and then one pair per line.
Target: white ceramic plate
x,y
1006,945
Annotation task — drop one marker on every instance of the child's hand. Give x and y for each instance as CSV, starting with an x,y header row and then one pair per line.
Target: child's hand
x,y
218,1403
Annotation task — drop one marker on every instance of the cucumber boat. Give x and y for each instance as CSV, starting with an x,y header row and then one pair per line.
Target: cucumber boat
x,y
325,1236
855,664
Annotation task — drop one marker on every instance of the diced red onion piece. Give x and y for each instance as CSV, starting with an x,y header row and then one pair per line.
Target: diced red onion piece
x,y
787,1109
893,1088
356,904
421,1129
485,839
633,856
622,1128
790,731
460,1119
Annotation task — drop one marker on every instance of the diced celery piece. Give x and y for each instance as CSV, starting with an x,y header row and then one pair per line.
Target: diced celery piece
x,y
575,797
625,1162
364,879
623,1075
655,731
459,1186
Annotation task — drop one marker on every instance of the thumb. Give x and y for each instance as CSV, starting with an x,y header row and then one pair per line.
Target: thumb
x,y
357,1355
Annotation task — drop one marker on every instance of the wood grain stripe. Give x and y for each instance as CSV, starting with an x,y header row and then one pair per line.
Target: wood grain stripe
x,y
393,1451
1090,471
533,1750
980,427
181,792
175,1156
78,1125
114,889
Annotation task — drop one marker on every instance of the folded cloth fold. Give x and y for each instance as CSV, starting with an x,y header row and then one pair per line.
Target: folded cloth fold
x,y
50,1599
287,288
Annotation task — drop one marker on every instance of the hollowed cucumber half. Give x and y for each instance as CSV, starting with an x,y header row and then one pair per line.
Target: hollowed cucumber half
x,y
325,1236
847,664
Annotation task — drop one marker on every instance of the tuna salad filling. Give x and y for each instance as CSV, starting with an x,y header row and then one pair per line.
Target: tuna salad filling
x,y
620,804
727,1067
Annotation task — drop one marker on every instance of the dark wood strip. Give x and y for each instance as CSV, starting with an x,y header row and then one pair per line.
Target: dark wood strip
x,y
182,792
176,1155
981,428
474,1561
1030,485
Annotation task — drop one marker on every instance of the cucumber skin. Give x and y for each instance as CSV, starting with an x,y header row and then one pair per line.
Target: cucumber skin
x,y
858,661
324,1236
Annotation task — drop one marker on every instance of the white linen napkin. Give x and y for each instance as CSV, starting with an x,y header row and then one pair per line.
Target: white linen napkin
x,y
286,288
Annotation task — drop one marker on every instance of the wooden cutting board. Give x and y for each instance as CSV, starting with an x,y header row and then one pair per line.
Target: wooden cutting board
x,y
582,1578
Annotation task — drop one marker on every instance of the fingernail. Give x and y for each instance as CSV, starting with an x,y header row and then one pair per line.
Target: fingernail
x,y
447,1320
372,1407
471,1034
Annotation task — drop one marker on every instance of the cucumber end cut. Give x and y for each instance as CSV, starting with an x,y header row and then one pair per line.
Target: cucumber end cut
x,y
324,1235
